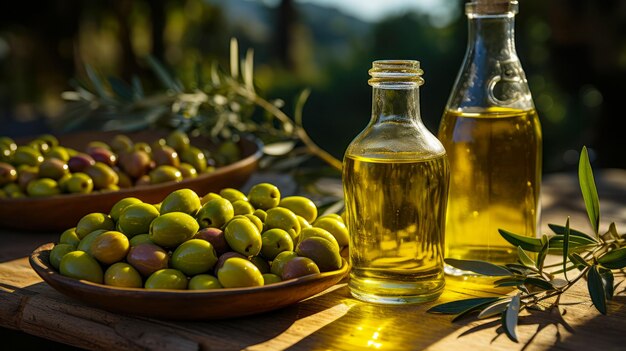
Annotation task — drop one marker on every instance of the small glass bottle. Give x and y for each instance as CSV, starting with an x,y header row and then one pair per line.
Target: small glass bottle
x,y
492,135
395,180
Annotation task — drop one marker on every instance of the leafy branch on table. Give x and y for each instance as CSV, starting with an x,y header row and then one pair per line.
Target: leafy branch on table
x,y
593,258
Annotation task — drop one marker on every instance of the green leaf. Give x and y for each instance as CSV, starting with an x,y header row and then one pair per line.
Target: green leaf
x,y
540,283
608,281
509,318
615,259
137,88
588,189
526,243
566,247
578,260
596,289
495,308
455,307
165,78
541,256
611,233
509,281
524,258
559,229
121,89
96,82
480,267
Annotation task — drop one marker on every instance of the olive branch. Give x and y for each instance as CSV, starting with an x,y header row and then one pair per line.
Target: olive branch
x,y
594,257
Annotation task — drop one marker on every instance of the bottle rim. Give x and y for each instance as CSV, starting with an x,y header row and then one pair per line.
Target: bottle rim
x,y
396,72
492,8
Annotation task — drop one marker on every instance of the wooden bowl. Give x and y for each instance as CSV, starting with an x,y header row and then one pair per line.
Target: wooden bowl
x,y
185,304
61,212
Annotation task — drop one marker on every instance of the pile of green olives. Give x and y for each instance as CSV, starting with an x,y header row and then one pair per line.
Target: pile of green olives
x,y
44,168
225,240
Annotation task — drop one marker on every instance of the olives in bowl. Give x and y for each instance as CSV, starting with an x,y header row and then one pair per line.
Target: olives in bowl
x,y
242,257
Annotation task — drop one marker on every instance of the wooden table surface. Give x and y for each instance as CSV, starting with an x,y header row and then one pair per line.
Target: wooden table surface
x,y
332,320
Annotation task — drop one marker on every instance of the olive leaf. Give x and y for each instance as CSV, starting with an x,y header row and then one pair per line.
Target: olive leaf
x,y
560,230
615,259
494,309
526,243
588,189
540,283
480,267
596,289
509,318
524,258
165,78
607,281
459,306
541,256
577,260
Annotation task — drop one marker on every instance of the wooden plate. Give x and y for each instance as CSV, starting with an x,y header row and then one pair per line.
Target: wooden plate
x,y
61,212
185,305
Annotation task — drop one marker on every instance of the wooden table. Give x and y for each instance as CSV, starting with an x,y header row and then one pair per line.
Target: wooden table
x,y
332,320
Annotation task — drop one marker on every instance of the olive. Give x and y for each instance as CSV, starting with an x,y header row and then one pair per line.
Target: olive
x,y
204,282
8,174
165,173
94,221
238,272
121,143
178,139
242,207
243,236
124,181
80,162
122,275
48,139
264,196
229,152
136,218
141,146
224,257
261,264
26,155
232,194
299,267
254,219
208,197
135,163
275,241
147,258
336,228
140,239
58,152
69,237
330,215
79,183
270,278
279,262
86,242
260,214
102,175
182,200
26,174
284,219
110,247
8,143
195,157
103,155
79,265
165,156
57,253
194,256
96,144
215,213
320,233
119,206
187,171
172,229
301,206
216,237
43,187
321,251
303,223
167,279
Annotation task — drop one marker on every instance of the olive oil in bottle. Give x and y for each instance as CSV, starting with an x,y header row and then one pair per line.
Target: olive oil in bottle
x,y
492,135
395,179
494,183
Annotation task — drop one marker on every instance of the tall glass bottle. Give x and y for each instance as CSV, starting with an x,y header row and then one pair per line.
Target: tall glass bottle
x,y
492,135
395,179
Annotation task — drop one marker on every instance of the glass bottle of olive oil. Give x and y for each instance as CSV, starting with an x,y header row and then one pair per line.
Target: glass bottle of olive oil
x,y
492,135
395,179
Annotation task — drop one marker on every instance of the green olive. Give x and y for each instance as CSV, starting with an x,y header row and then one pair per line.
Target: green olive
x,y
53,168
122,275
187,170
283,218
336,228
59,152
275,241
243,236
325,254
194,256
26,155
242,207
264,196
78,183
102,175
110,247
86,242
215,213
238,273
140,239
119,206
43,187
232,195
121,143
261,264
260,214
204,282
167,279
270,278
256,220
320,233
178,139
208,197
301,206
136,218
172,229
94,221
57,253
330,215
79,265
279,262
182,200
303,223
165,173
195,157
69,237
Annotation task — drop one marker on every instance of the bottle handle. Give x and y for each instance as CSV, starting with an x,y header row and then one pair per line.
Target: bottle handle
x,y
507,87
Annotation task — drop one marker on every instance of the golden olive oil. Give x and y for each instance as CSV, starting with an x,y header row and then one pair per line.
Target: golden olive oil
x,y
495,165
395,207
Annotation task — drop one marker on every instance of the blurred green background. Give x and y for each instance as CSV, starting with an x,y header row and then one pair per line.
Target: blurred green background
x,y
573,52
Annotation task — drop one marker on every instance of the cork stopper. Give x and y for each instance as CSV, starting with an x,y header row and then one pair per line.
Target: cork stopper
x,y
491,7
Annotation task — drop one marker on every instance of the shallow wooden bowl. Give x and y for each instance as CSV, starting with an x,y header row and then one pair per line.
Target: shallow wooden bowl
x,y
61,212
185,304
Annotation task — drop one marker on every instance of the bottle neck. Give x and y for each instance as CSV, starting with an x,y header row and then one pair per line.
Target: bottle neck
x,y
492,36
391,103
